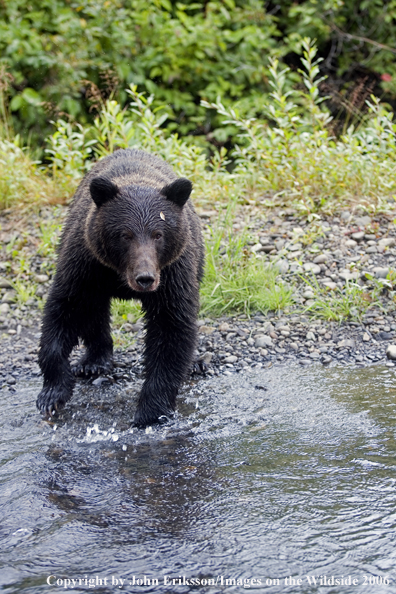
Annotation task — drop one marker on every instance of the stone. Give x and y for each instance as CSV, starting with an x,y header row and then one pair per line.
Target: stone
x,y
366,337
282,265
206,330
391,352
263,341
372,249
358,236
224,327
257,248
9,297
321,259
347,275
231,359
363,221
41,278
4,308
308,294
330,285
380,272
385,242
310,336
5,284
279,244
311,267
267,248
351,243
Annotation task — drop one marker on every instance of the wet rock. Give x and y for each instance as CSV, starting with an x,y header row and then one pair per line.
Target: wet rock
x,y
391,352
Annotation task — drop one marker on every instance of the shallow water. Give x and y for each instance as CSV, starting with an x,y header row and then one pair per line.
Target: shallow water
x,y
266,478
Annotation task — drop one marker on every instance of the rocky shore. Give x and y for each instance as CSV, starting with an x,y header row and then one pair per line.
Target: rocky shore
x,y
347,248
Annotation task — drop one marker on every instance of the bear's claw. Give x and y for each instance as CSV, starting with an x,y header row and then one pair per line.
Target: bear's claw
x,y
88,369
51,399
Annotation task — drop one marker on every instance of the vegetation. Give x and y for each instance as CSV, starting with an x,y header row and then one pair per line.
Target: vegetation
x,y
65,57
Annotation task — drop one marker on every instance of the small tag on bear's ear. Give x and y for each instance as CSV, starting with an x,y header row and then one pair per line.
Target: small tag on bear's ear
x,y
162,216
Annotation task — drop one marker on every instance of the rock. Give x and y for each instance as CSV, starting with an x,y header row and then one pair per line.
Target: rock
x,y
321,259
311,267
366,337
391,352
231,359
385,242
279,244
310,336
337,254
206,330
4,308
380,272
282,266
100,380
267,248
347,275
372,249
308,294
326,359
41,278
257,248
5,284
345,215
330,285
224,327
358,236
351,243
206,358
9,297
263,341
346,343
363,221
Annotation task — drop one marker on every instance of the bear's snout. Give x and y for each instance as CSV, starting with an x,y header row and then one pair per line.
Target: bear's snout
x,y
145,280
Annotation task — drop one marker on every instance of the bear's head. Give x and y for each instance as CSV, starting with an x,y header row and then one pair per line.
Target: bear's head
x,y
138,230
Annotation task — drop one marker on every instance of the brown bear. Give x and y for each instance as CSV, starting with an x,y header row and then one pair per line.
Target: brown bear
x,y
131,233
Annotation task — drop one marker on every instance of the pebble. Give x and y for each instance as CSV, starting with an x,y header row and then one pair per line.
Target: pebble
x,y
206,330
4,308
282,265
263,341
5,284
231,359
380,272
41,278
321,259
351,243
391,352
358,236
311,267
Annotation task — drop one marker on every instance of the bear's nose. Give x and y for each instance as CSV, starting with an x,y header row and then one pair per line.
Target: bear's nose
x,y
145,280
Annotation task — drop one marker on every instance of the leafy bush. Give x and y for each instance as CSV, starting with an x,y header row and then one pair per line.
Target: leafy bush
x,y
66,56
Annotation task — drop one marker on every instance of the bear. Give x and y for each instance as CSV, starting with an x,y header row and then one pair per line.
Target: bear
x,y
131,233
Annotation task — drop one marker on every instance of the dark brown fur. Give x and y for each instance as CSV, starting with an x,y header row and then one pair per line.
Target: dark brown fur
x,y
131,233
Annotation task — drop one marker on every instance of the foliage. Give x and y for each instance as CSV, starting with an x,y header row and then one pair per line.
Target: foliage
x,y
67,56
293,154
22,181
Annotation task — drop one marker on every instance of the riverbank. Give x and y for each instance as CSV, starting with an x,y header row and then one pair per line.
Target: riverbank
x,y
343,264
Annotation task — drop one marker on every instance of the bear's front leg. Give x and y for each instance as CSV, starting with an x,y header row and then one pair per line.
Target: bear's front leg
x,y
58,338
170,343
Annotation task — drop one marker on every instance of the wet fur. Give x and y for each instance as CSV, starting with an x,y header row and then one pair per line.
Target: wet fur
x,y
105,245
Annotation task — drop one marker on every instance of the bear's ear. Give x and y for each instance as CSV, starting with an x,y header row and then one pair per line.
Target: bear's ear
x,y
102,190
178,191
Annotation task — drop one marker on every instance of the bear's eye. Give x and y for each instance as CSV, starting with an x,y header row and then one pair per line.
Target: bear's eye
x,y
157,236
128,235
